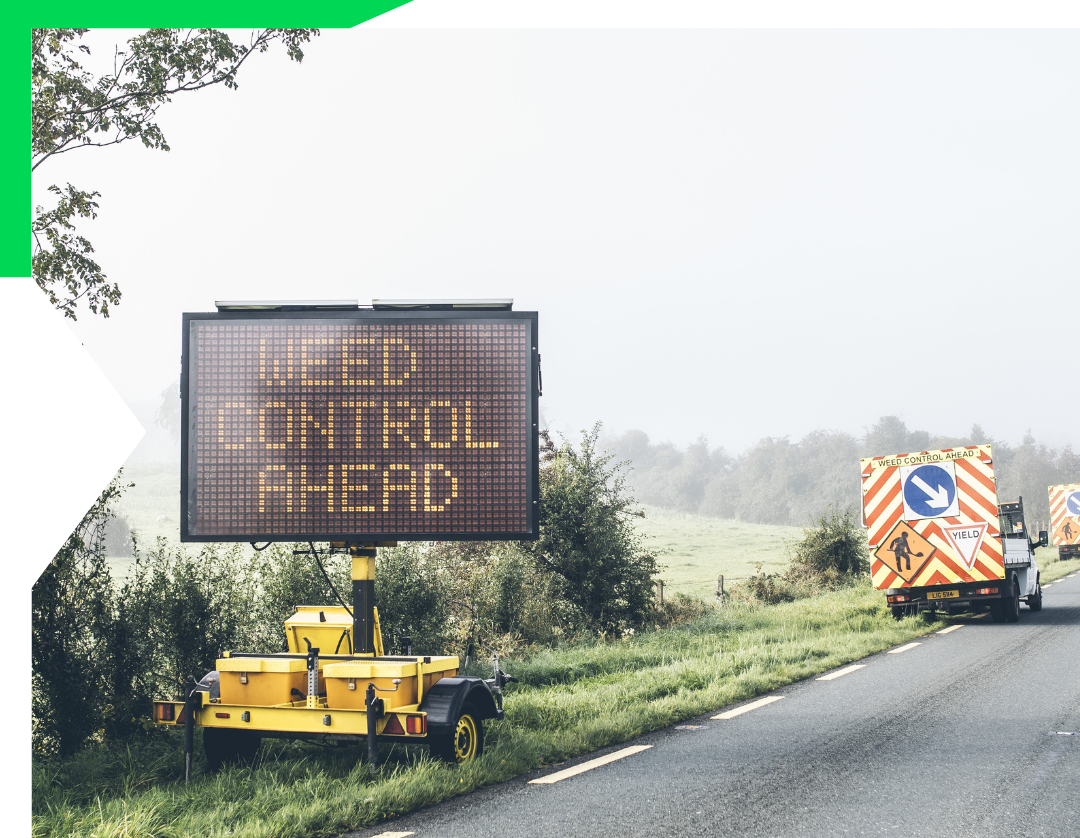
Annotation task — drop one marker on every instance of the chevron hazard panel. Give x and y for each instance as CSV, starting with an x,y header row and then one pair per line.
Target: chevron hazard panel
x,y
932,518
1065,514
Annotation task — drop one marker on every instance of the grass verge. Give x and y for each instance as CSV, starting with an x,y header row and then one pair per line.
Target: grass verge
x,y
571,701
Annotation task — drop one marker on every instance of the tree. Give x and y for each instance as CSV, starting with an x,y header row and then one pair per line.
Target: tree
x,y
587,538
72,609
71,109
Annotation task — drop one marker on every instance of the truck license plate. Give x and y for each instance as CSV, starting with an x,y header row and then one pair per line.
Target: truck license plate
x,y
942,594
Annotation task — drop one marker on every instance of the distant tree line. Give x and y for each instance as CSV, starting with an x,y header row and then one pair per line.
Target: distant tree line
x,y
778,481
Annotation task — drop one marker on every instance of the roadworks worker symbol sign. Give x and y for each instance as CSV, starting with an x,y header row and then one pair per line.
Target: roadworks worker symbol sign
x,y
940,504
929,491
905,552
1065,514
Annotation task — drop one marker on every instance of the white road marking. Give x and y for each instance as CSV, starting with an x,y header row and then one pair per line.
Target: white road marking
x,y
746,708
847,670
393,835
1070,576
977,616
1044,587
903,648
950,628
591,764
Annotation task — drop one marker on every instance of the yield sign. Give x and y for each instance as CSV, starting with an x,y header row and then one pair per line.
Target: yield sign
x,y
967,539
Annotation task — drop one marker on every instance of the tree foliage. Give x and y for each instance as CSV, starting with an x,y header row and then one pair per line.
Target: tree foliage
x,y
587,538
780,481
71,108
73,639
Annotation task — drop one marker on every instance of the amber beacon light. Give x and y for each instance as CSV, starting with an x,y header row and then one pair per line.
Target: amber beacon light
x,y
412,420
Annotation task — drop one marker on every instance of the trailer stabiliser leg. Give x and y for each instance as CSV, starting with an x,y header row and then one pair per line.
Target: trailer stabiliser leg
x,y
189,725
374,711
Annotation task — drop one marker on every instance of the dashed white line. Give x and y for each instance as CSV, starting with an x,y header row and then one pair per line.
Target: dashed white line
x,y
903,648
847,670
393,835
950,628
590,765
746,708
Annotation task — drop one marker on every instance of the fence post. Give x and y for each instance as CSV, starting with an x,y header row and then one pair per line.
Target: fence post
x,y
659,592
720,590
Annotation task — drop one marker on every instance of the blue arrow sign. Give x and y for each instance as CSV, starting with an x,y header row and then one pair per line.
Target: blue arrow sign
x,y
929,491
1072,503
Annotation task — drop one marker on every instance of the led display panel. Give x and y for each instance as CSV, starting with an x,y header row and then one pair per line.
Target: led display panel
x,y
359,425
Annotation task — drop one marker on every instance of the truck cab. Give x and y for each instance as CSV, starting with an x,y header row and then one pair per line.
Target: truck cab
x,y
1020,566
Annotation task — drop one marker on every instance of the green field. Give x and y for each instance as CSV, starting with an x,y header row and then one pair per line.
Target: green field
x,y
694,550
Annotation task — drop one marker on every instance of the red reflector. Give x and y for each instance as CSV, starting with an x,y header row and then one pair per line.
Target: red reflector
x,y
416,724
899,598
222,715
393,727
985,591
165,712
182,717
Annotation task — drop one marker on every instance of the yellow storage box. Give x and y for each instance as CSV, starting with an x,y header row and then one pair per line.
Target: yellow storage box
x,y
346,682
328,627
263,682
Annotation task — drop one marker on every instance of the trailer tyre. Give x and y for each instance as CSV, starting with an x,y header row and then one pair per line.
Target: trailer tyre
x,y
465,743
223,746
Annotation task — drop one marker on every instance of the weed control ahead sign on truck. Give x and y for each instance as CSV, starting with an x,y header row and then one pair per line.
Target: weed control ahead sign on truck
x,y
936,534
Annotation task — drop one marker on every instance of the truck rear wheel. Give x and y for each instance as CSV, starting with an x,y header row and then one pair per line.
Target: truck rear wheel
x,y
223,746
1011,605
1035,600
465,743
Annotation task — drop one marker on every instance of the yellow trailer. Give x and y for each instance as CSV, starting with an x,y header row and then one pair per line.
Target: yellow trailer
x,y
354,693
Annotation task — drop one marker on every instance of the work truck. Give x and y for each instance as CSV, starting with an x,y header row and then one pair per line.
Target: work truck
x,y
353,426
940,540
1065,519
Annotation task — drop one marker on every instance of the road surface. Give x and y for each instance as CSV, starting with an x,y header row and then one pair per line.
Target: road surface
x,y
971,732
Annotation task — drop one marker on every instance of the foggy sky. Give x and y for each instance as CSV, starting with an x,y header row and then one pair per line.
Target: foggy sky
x,y
731,233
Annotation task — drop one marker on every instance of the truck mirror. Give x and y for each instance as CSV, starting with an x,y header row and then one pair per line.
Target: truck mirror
x,y
1044,538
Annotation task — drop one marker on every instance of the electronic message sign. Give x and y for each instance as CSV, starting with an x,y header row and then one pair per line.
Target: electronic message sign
x,y
359,425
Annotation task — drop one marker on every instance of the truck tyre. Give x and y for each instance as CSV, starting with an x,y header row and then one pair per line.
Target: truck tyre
x,y
465,743
1012,605
223,746
1035,600
997,611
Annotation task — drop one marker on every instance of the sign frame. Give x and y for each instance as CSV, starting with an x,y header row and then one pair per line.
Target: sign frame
x,y
364,315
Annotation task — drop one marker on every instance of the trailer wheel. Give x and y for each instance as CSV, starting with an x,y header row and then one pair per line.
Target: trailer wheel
x,y
1035,600
465,743
1011,606
223,746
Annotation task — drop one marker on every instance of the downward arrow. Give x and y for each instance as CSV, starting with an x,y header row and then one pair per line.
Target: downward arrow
x,y
938,498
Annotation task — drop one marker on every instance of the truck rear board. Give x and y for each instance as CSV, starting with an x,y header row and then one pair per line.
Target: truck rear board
x,y
932,519
1065,519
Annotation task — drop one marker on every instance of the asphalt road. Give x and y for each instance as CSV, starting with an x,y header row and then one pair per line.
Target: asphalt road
x,y
960,735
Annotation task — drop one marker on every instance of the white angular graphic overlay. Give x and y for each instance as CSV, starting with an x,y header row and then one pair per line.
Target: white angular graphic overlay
x,y
67,431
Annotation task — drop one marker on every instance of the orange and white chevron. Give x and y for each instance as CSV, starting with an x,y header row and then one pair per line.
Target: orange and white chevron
x,y
1059,516
883,511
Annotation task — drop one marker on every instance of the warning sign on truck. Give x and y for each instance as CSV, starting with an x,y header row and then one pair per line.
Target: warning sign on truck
x,y
1065,514
932,517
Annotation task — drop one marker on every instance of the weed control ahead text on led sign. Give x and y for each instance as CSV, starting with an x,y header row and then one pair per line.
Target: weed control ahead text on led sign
x,y
359,425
